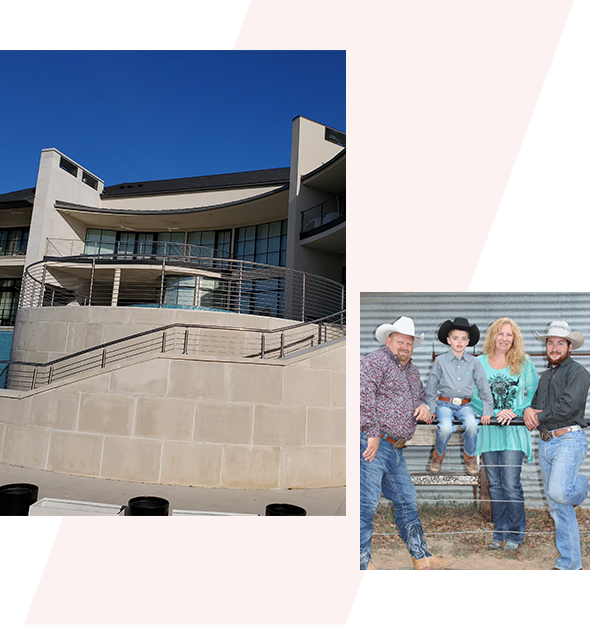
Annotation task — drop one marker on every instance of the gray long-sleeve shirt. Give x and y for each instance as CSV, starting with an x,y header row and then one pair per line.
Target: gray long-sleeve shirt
x,y
457,377
561,395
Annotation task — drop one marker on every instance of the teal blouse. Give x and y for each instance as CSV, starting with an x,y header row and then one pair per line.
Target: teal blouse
x,y
509,391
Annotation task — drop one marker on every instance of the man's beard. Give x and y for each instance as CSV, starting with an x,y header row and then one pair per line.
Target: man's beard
x,y
555,360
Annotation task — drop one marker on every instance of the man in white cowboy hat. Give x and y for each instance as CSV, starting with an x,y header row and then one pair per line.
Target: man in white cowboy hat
x,y
391,401
557,411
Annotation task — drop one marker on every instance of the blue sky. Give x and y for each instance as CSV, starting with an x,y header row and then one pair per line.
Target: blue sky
x,y
149,115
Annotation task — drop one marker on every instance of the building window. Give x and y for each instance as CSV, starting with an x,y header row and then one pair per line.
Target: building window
x,y
9,294
219,240
100,241
264,297
169,243
264,243
13,241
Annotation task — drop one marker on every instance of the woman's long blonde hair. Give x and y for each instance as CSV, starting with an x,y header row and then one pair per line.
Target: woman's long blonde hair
x,y
516,355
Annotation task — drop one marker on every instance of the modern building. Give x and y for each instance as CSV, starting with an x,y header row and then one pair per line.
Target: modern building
x,y
184,331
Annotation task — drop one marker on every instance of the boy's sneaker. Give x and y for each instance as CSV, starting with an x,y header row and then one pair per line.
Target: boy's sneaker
x,y
511,546
471,464
436,462
495,545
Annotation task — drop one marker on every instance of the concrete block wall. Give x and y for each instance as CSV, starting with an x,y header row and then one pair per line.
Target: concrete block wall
x,y
189,421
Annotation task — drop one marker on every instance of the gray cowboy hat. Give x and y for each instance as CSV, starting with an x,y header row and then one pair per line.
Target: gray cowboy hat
x,y
562,330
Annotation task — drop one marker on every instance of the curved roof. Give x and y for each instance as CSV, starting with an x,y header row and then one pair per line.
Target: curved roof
x,y
257,178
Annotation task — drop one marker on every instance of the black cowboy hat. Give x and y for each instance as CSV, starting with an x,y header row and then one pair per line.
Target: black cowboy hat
x,y
460,323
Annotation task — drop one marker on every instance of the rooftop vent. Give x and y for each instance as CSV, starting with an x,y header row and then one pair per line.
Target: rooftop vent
x,y
91,181
68,166
334,136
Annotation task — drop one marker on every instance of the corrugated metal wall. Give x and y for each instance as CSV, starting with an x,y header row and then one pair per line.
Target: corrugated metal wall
x,y
532,311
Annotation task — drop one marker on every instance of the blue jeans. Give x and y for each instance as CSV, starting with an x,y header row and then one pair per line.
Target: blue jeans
x,y
503,470
560,459
445,413
388,474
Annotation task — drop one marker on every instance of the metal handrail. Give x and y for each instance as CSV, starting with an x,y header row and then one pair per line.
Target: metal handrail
x,y
62,248
323,214
97,357
215,284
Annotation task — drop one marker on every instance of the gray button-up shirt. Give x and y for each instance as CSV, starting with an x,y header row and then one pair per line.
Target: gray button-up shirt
x,y
457,377
561,395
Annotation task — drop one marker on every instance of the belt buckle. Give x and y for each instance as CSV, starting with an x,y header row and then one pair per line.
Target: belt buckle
x,y
546,435
400,444
456,401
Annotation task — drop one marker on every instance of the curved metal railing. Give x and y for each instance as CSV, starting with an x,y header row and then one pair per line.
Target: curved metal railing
x,y
177,281
182,339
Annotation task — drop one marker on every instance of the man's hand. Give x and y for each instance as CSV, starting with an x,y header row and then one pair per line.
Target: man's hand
x,y
485,420
505,416
530,418
422,413
371,450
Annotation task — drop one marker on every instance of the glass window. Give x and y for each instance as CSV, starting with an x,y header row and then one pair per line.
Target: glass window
x,y
100,241
9,295
264,243
13,241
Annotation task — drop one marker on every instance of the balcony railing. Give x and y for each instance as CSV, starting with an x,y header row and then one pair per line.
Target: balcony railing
x,y
178,281
129,250
323,216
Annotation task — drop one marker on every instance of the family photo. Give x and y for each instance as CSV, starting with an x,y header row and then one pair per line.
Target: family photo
x,y
473,409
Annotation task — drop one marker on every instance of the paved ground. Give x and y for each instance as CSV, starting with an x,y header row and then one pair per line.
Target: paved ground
x,y
317,502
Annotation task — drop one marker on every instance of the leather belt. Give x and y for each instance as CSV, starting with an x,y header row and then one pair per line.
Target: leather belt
x,y
549,434
397,443
456,401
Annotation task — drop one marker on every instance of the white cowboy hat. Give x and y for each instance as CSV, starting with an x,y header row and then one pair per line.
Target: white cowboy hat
x,y
562,330
404,325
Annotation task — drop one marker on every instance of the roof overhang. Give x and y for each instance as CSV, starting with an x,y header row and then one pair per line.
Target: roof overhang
x,y
270,206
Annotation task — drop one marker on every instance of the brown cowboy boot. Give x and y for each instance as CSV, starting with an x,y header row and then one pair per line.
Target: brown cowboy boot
x,y
432,563
436,462
471,464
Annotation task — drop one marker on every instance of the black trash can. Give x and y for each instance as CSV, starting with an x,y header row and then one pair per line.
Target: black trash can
x,y
15,499
284,509
147,506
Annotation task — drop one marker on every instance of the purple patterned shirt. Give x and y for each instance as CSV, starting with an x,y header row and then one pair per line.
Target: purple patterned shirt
x,y
390,395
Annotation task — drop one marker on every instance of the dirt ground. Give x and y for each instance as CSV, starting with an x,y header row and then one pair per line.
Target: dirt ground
x,y
462,532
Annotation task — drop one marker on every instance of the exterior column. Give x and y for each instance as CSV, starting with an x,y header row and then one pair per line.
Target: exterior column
x,y
116,284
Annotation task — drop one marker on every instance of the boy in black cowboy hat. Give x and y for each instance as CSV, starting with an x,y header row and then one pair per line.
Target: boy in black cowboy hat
x,y
450,387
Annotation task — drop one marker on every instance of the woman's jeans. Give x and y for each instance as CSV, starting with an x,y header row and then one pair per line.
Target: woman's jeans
x,y
503,470
445,413
560,459
388,474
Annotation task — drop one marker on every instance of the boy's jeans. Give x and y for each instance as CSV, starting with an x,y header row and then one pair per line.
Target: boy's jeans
x,y
445,413
560,459
389,474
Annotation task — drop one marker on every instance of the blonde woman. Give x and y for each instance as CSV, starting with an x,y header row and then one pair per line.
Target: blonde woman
x,y
513,381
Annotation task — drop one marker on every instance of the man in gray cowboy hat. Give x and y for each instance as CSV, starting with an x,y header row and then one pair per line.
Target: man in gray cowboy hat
x,y
391,401
557,411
